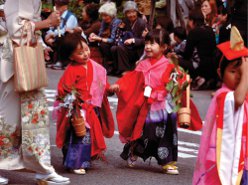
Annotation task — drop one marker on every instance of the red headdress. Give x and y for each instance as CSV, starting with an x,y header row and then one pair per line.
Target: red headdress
x,y
234,48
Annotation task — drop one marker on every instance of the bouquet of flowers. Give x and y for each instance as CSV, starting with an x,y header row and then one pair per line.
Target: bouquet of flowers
x,y
175,82
72,102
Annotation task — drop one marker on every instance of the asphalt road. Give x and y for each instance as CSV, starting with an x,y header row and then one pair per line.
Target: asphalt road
x,y
115,171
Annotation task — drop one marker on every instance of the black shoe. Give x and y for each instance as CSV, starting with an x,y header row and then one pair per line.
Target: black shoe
x,y
126,151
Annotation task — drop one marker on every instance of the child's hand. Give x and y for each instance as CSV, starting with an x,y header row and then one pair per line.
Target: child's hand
x,y
114,88
46,53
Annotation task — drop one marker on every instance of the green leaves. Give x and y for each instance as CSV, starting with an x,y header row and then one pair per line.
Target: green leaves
x,y
176,85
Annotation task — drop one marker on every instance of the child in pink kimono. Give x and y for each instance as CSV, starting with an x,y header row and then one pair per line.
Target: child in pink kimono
x,y
222,157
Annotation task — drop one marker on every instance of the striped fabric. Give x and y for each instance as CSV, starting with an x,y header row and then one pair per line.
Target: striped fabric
x,y
29,66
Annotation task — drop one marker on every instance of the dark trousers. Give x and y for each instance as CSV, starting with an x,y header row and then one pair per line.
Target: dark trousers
x,y
124,58
106,55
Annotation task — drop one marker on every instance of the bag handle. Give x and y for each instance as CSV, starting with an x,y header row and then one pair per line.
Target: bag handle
x,y
28,28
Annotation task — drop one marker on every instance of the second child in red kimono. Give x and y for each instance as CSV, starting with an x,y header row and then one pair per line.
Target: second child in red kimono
x,y
145,116
88,80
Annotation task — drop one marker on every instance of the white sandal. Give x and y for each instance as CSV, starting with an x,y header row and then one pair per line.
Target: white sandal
x,y
51,179
80,171
3,180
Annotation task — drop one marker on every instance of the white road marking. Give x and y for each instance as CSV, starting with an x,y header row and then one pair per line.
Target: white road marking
x,y
189,131
188,144
50,99
50,91
184,149
183,155
50,95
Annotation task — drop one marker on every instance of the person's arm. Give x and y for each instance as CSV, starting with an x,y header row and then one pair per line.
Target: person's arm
x,y
92,29
138,39
114,27
17,12
70,24
241,91
52,21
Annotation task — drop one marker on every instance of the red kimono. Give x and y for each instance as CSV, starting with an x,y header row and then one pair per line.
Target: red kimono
x,y
90,84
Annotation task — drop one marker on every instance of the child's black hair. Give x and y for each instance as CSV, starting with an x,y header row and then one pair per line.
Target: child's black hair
x,y
180,32
159,36
224,62
69,45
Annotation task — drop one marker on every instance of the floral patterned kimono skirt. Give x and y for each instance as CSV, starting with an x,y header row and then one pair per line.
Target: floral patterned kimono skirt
x,y
159,138
77,150
24,130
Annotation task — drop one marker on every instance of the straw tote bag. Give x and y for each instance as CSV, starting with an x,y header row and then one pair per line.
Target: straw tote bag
x,y
29,64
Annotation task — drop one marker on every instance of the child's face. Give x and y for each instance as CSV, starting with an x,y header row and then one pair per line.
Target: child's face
x,y
153,50
81,54
231,77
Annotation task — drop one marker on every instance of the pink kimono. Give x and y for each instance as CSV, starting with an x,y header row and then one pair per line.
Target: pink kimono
x,y
222,157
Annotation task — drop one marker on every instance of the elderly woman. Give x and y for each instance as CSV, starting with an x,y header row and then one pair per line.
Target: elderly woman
x,y
126,55
106,34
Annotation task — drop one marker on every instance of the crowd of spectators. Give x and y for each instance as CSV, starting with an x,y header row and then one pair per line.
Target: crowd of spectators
x,y
115,32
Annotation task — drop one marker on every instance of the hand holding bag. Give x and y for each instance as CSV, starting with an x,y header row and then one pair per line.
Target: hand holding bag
x,y
29,64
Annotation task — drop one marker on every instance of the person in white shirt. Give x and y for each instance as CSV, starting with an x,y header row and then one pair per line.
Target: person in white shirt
x,y
68,21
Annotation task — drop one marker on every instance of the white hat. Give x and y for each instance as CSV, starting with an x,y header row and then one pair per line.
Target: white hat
x,y
130,5
108,8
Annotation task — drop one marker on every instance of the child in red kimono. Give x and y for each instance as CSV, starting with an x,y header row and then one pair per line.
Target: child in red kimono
x,y
222,157
145,116
88,81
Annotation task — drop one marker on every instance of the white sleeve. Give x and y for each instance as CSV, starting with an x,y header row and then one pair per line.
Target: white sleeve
x,y
17,12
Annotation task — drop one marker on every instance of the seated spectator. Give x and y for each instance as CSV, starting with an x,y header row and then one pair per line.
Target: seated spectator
x,y
180,39
209,11
199,54
225,27
125,56
221,20
90,24
107,32
68,20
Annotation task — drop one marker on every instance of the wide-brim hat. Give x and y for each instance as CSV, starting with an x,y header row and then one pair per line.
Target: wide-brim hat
x,y
234,48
